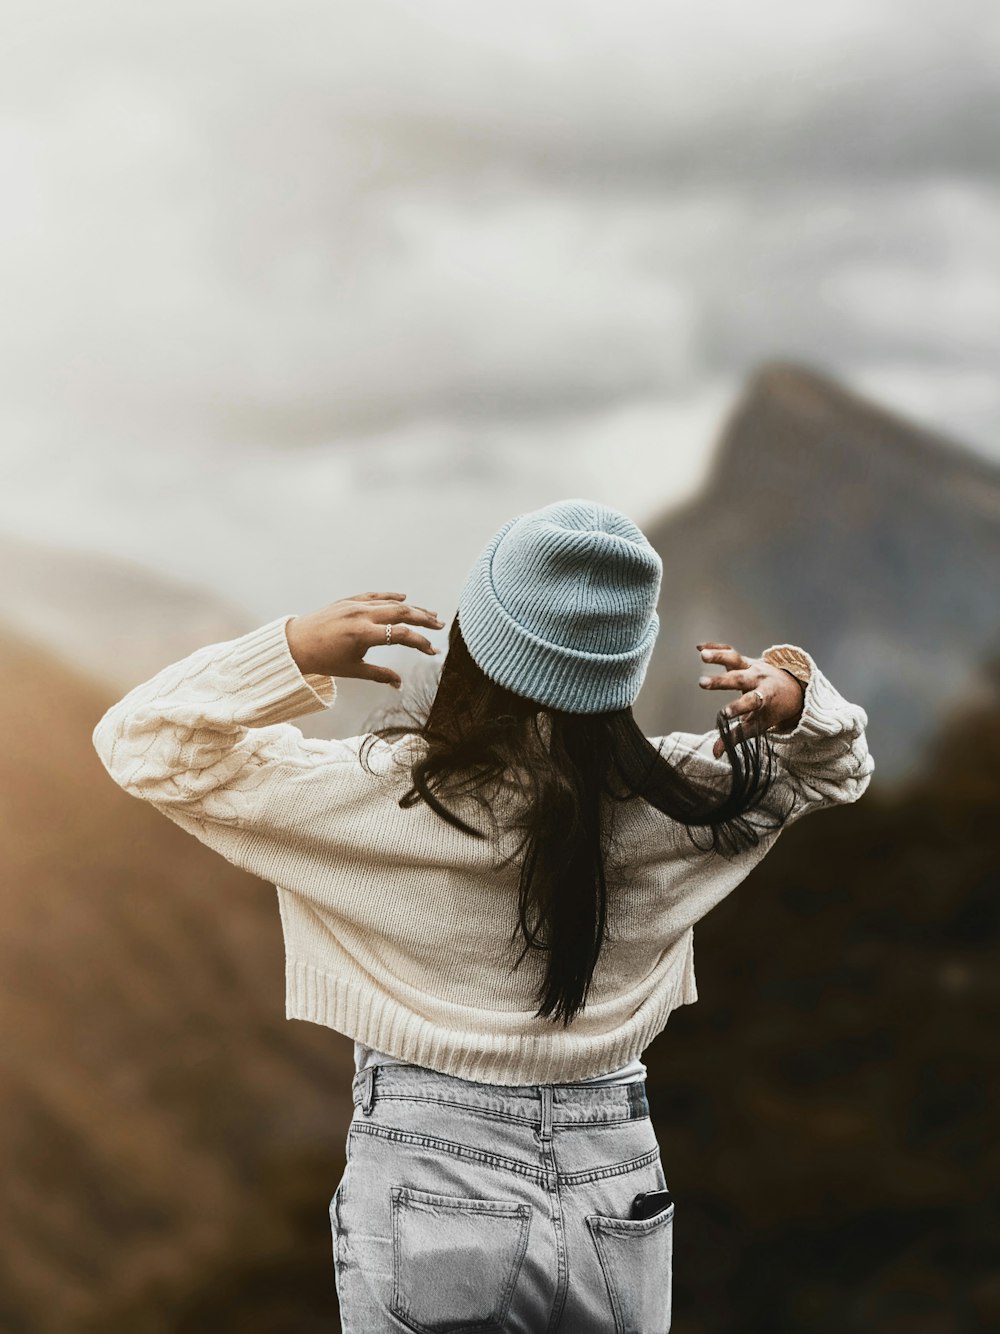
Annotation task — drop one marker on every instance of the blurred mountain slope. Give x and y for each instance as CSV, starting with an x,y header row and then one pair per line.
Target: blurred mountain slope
x,y
829,522
118,623
111,619
151,1078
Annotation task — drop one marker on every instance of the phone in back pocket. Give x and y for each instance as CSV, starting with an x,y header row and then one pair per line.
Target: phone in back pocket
x,y
650,1202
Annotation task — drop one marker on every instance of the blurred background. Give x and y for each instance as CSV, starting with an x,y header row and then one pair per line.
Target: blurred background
x,y
302,299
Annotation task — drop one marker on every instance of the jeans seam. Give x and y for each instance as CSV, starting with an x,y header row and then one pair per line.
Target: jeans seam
x,y
598,1125
609,1282
562,1277
615,1169
452,1147
495,1114
489,1113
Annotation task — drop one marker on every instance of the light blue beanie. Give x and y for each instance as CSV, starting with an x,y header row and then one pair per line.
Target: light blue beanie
x,y
560,607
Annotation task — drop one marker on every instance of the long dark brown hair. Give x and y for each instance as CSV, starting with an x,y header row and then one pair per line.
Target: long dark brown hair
x,y
569,770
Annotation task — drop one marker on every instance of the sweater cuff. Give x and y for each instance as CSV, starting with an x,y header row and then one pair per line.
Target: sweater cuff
x,y
269,679
825,712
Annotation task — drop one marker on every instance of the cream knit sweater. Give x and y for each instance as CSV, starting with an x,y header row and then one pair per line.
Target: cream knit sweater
x,y
396,924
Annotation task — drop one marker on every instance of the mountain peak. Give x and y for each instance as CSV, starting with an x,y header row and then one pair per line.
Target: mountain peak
x,y
794,427
832,523
798,386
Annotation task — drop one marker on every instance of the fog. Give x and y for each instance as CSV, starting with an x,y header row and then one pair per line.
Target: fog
x,y
306,296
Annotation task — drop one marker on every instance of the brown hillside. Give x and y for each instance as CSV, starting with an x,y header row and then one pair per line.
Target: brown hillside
x,y
151,1076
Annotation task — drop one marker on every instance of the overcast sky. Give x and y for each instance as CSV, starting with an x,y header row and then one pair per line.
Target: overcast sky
x,y
334,288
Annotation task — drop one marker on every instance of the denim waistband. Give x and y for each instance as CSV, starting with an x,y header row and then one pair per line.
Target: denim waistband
x,y
562,1104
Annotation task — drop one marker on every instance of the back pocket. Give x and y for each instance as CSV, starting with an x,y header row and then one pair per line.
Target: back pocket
x,y
455,1261
636,1256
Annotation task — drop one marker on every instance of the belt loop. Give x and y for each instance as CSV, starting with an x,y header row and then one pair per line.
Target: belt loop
x,y
368,1097
546,1130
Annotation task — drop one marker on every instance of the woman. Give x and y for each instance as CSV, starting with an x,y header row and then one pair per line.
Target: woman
x,y
496,902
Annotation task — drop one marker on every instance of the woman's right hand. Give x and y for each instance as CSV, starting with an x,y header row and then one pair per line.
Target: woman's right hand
x,y
333,641
780,699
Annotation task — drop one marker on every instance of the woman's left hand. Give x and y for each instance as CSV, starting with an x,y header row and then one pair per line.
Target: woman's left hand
x,y
770,696
334,640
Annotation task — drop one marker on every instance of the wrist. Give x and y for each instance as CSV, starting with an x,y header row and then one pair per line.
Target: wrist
x,y
794,662
789,724
298,645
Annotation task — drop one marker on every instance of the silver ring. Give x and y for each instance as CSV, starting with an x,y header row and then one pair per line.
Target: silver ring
x,y
388,633
760,697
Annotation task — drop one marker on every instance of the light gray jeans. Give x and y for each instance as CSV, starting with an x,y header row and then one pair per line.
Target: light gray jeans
x,y
489,1207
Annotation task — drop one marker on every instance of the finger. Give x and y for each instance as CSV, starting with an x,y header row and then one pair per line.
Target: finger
x,y
377,597
396,613
367,671
725,656
748,703
402,634
741,729
738,680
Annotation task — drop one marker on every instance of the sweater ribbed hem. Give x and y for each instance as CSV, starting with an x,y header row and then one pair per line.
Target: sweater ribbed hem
x,y
377,1021
268,685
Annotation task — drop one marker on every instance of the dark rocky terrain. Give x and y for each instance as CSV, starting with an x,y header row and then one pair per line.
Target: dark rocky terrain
x,y
826,1110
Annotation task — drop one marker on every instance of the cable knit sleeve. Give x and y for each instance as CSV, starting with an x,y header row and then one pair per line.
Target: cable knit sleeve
x,y
208,741
824,759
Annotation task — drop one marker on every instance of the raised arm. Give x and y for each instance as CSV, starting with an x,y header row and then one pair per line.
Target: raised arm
x,y
818,736
206,738
209,740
